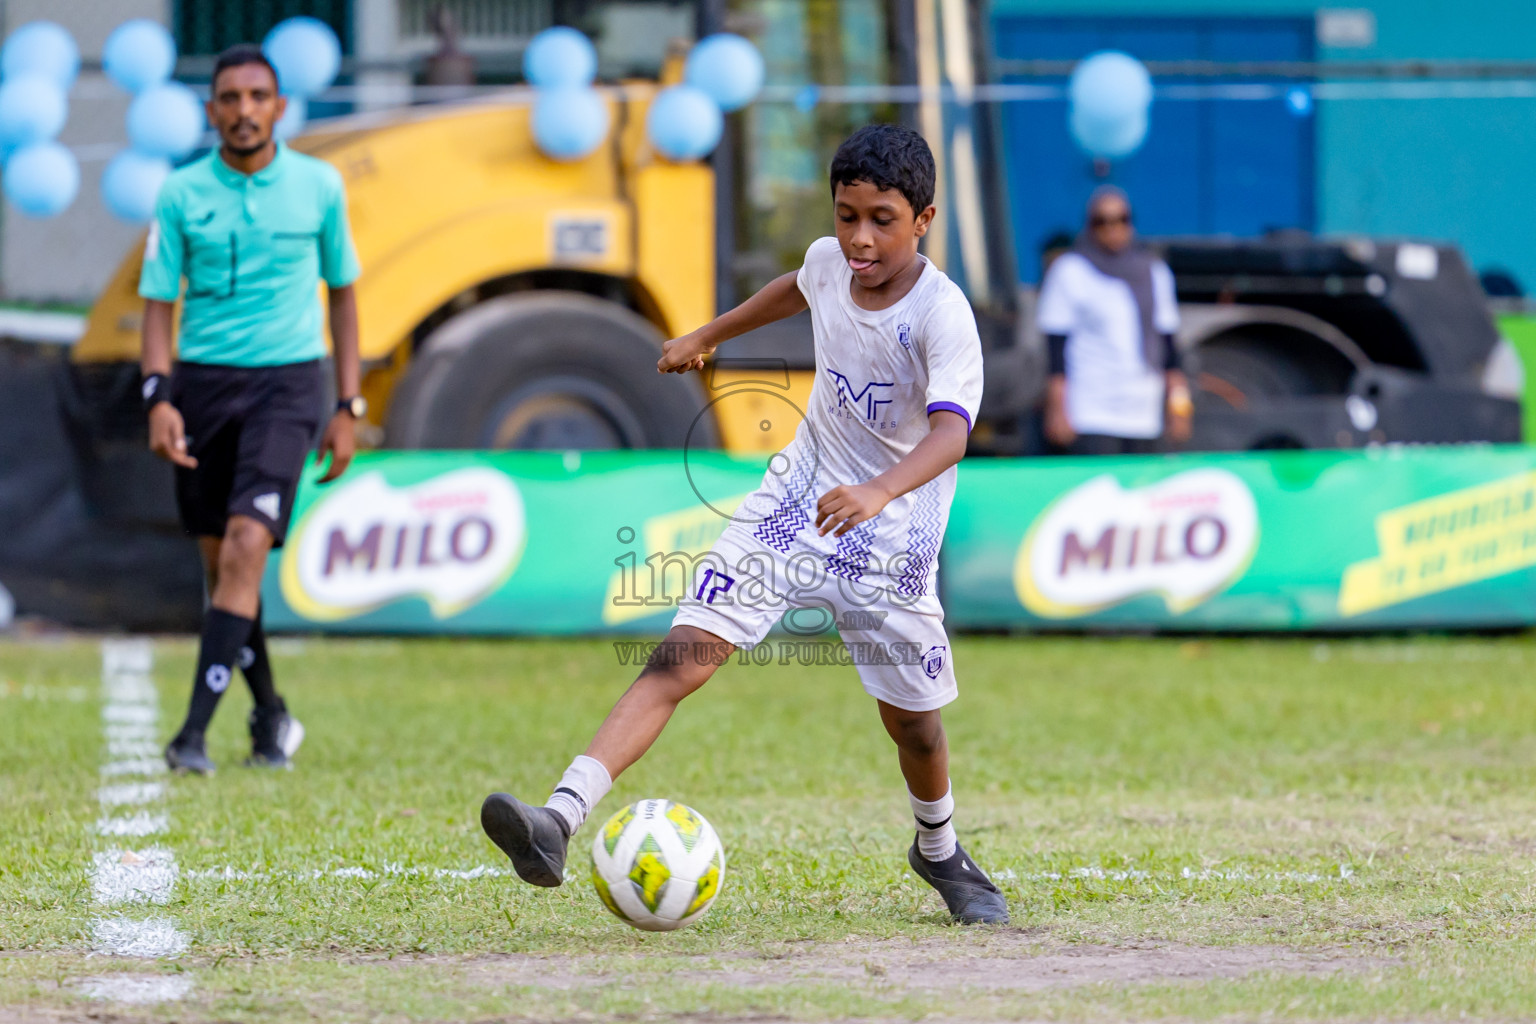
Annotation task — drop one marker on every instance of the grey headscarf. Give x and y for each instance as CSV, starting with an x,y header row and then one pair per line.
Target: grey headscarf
x,y
1133,265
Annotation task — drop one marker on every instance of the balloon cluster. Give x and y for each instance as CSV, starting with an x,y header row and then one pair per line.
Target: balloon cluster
x,y
307,56
165,118
570,119
1110,95
38,64
723,72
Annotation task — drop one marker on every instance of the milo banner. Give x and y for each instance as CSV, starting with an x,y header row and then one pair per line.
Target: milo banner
x,y
1389,539
469,542
527,543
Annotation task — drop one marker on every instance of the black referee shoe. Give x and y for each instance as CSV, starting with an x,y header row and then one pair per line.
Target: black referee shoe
x,y
533,837
275,736
186,753
968,892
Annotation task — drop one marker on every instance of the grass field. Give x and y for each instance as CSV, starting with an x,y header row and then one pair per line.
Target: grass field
x,y
1229,829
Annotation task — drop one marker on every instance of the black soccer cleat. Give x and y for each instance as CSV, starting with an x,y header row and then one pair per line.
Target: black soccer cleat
x,y
186,753
968,892
534,838
275,737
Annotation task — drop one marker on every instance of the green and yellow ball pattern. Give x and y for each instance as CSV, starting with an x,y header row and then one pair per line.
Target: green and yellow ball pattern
x,y
657,865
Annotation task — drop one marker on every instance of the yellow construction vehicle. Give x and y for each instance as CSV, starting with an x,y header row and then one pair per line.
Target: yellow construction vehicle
x,y
512,301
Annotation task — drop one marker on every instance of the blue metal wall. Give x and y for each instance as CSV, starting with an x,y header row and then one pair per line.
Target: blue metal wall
x,y
1209,166
1450,168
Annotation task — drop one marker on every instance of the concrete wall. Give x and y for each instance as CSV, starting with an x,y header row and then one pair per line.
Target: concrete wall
x,y
70,257
1455,169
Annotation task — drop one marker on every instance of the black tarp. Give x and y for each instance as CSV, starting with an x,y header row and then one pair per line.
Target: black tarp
x,y
59,558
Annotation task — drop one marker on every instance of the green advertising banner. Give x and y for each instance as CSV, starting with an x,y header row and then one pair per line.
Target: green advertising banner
x,y
480,542
529,543
1397,538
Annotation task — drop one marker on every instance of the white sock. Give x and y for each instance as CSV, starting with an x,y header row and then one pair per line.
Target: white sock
x,y
935,826
584,783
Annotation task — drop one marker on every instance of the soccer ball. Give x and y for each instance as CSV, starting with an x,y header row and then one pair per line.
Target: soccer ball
x,y
657,865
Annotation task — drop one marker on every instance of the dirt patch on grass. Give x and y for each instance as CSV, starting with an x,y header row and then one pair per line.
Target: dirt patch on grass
x,y
995,961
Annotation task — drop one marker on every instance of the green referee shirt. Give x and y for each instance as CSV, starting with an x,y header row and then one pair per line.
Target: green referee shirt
x,y
253,249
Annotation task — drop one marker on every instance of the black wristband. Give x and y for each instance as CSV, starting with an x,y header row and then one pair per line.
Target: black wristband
x,y
1056,354
157,389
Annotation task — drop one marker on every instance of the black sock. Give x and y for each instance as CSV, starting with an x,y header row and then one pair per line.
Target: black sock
x,y
223,636
256,668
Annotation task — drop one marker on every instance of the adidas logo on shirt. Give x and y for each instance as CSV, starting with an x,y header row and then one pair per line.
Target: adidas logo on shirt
x,y
268,504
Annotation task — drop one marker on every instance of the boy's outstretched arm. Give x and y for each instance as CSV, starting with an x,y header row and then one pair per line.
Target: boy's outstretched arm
x,y
776,300
842,508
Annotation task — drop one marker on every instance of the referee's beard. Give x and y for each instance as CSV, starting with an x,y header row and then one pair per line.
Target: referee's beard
x,y
249,150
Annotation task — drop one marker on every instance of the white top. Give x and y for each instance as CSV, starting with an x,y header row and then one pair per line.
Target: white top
x,y
1110,388
878,376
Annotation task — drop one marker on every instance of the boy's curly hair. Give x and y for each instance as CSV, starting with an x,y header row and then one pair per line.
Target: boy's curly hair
x,y
888,156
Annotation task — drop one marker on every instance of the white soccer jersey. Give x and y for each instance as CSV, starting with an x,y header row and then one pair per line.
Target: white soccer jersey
x,y
1110,388
878,376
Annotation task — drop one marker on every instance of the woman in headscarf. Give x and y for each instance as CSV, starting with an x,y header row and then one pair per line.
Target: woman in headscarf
x,y
1108,312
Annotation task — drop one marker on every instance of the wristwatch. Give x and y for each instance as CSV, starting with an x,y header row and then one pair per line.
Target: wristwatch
x,y
1179,402
357,405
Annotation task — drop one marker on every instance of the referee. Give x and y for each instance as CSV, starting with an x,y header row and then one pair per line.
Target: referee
x,y
253,228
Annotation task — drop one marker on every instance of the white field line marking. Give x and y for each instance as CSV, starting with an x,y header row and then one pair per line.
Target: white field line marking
x,y
31,691
135,766
228,874
130,793
130,714
151,937
138,989
1345,873
133,876
143,823
134,748
136,733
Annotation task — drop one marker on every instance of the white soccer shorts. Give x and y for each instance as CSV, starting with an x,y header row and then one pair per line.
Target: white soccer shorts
x,y
896,640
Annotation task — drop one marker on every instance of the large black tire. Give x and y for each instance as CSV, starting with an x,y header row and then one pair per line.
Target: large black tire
x,y
546,370
1258,368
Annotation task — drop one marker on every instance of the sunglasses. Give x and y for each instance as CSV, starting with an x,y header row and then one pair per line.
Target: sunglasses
x,y
1104,222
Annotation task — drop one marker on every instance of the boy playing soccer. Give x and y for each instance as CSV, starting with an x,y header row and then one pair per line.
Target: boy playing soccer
x,y
859,498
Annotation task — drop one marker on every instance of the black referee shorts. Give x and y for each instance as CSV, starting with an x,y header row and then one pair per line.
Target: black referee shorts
x,y
250,429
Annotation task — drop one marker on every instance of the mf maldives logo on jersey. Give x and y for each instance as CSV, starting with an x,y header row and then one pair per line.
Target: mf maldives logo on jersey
x,y
1186,538
866,402
450,540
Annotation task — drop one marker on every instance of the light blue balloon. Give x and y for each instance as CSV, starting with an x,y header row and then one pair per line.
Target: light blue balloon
x,y
1110,93
569,123
559,57
41,179
293,120
306,53
1110,85
165,120
728,68
32,109
41,48
138,54
684,123
1111,138
131,184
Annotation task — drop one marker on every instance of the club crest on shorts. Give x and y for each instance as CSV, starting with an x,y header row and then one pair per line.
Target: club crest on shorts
x,y
933,660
